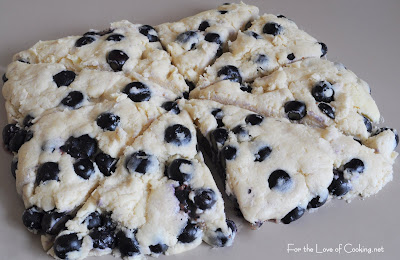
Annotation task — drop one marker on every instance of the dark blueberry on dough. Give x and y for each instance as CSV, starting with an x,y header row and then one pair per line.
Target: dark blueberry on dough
x,y
106,163
327,110
246,87
218,114
254,119
46,172
281,16
149,32
84,168
213,37
171,106
396,135
272,28
222,12
262,59
222,240
180,170
64,78
93,220
80,147
262,154
324,49
178,135
229,152
107,221
4,78
323,92
231,73
295,110
203,26
291,56
24,61
116,59
339,186
53,222
14,167
127,243
108,121
218,137
367,124
189,233
205,198
190,84
354,166
248,25
254,35
158,249
317,202
73,99
103,238
84,41
240,130
280,180
32,218
29,136
14,137
9,131
65,244
137,91
189,36
28,121
182,194
140,162
115,37
293,215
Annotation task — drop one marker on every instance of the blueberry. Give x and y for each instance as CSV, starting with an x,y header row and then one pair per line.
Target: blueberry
x,y
137,91
171,106
106,163
53,222
189,233
272,28
231,73
65,244
291,56
127,243
190,84
188,37
14,167
240,130
281,16
158,248
4,78
295,110
218,115
339,186
203,26
228,152
323,92
262,154
246,87
261,59
182,194
103,238
222,240
107,221
14,137
24,61
32,218
73,99
93,220
149,32
80,147
293,215
205,198
367,124
115,37
28,136
327,110
247,26
9,131
280,180
222,12
180,170
178,135
84,41
108,121
46,172
317,202
84,168
141,162
64,78
218,137
354,166
28,121
254,35
396,135
116,59
254,119
324,49
213,37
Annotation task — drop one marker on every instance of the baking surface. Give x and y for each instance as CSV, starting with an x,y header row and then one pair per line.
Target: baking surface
x,y
361,34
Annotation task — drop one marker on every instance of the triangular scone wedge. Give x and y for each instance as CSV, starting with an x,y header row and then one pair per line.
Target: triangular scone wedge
x,y
194,42
266,44
276,169
32,89
161,199
314,92
123,47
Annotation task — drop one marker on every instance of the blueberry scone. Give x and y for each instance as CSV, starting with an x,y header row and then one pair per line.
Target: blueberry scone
x,y
266,44
123,47
203,37
314,92
272,181
161,199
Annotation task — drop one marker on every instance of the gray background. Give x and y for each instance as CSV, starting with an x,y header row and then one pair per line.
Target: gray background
x,y
363,35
